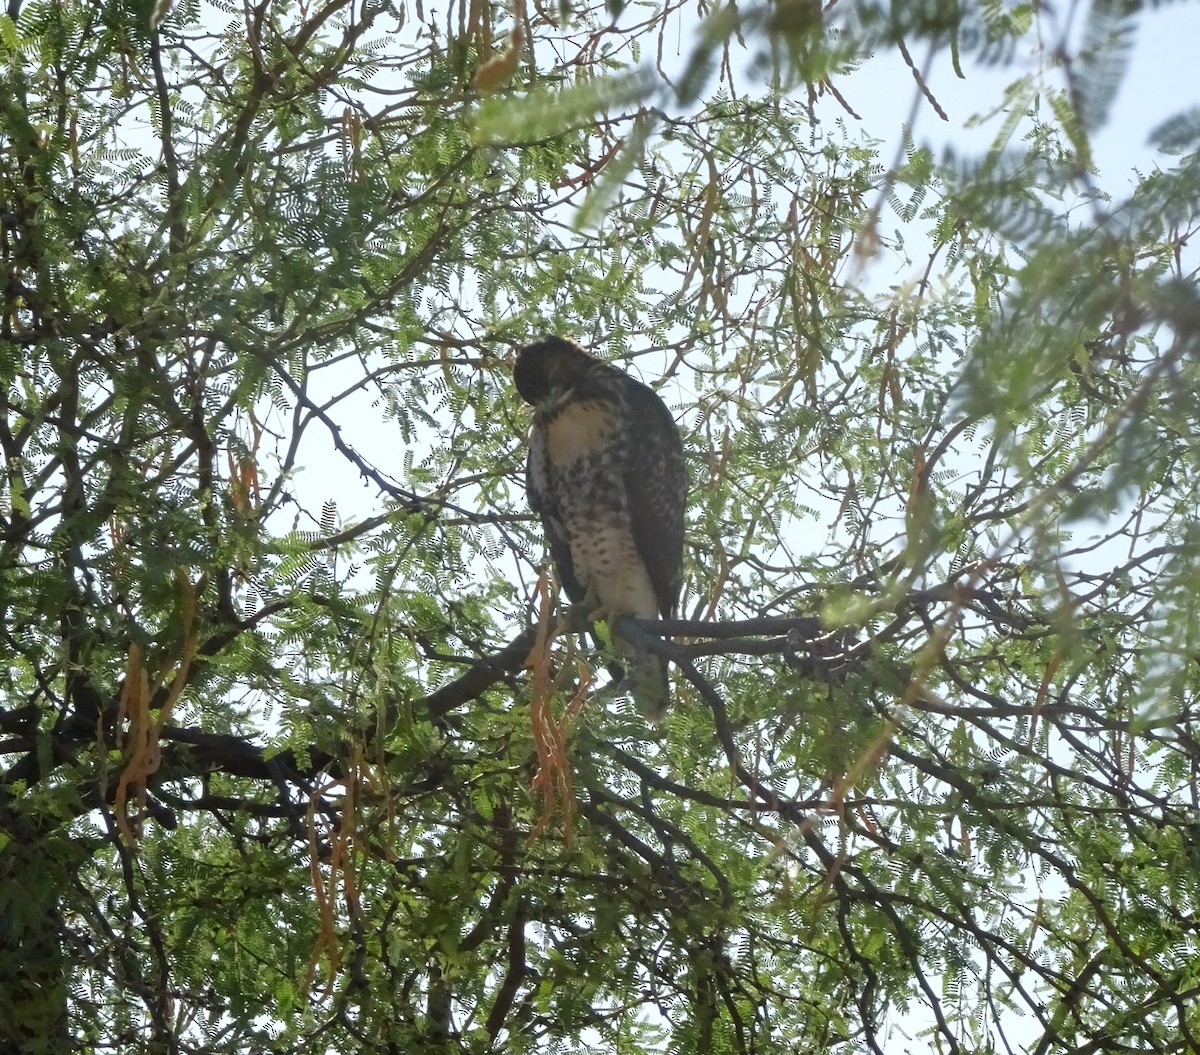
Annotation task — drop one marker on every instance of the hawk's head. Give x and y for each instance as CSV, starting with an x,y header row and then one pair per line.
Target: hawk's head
x,y
547,369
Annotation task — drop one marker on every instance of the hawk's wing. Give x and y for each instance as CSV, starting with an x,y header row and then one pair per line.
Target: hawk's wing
x,y
656,482
541,500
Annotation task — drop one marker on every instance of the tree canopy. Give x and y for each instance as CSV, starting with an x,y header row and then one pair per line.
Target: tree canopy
x,y
295,755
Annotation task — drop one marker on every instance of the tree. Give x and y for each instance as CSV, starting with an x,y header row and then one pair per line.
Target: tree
x,y
291,757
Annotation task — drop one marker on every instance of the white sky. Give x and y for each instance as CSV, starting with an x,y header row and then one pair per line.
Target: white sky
x,y
1163,79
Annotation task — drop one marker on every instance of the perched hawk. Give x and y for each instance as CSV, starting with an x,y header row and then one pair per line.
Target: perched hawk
x,y
606,475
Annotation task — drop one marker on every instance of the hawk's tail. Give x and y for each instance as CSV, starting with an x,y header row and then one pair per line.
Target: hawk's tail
x,y
646,679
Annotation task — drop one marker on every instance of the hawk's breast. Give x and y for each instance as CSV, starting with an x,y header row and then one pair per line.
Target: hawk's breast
x,y
585,456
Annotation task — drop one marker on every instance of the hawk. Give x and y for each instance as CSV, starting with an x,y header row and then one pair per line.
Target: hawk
x,y
606,475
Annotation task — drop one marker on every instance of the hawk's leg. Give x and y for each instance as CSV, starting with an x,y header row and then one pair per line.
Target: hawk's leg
x,y
578,616
594,610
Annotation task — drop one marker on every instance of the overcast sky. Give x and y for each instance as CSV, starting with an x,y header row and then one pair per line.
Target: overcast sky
x,y
1163,79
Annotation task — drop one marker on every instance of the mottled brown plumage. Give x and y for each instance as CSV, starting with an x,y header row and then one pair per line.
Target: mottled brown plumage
x,y
606,475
